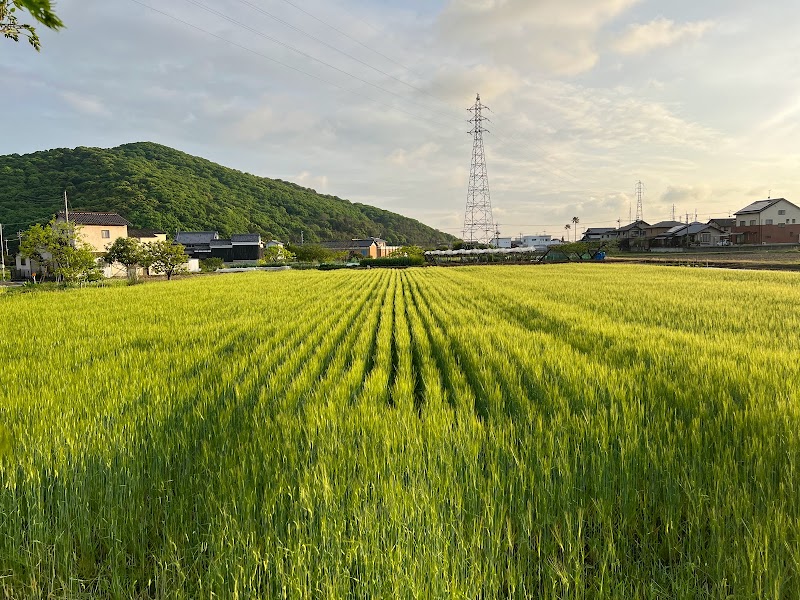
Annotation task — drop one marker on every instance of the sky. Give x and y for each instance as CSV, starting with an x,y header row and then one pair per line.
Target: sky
x,y
366,99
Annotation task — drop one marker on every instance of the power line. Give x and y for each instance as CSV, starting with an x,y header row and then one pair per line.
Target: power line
x,y
326,64
298,51
281,63
370,48
340,51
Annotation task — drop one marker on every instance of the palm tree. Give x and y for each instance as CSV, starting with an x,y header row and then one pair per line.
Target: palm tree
x,y
567,227
576,220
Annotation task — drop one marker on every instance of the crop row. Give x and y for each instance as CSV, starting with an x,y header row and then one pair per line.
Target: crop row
x,y
579,431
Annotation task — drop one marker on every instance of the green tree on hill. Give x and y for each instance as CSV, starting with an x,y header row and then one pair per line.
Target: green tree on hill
x,y
157,187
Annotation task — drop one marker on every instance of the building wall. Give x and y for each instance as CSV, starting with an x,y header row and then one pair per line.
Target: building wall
x,y
768,234
770,226
159,237
247,252
708,238
93,235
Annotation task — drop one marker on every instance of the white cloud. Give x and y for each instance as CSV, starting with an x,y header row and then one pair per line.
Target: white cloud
x,y
89,105
265,121
557,36
661,32
401,157
315,182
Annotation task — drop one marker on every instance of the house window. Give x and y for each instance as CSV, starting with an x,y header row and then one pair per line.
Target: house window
x,y
781,224
752,222
742,223
706,237
787,220
781,212
792,220
105,234
769,221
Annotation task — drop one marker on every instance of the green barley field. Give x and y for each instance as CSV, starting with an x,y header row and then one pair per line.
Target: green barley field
x,y
563,431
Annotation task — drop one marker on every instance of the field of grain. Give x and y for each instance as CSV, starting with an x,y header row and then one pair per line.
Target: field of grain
x,y
563,431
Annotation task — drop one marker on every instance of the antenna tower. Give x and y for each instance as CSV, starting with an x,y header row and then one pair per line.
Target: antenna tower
x,y
478,223
639,194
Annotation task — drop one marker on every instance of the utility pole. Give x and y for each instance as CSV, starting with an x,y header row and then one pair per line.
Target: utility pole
x,y
639,195
66,207
478,214
2,254
673,212
301,238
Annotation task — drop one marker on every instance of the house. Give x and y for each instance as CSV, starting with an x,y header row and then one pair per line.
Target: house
x,y
534,241
635,230
247,246
771,221
594,234
367,248
725,225
661,227
197,244
633,234
98,229
148,236
501,242
693,234
272,243
219,248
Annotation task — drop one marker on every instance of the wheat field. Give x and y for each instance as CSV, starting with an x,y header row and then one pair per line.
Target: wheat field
x,y
562,431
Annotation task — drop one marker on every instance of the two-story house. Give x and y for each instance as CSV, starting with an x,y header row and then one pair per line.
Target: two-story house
x,y
98,229
771,221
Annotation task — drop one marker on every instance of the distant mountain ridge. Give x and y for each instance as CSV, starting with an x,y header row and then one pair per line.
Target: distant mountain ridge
x,y
154,186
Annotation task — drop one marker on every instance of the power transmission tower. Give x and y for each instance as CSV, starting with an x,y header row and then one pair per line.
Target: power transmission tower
x,y
639,194
478,215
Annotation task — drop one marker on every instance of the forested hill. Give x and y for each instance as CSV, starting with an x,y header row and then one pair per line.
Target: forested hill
x,y
154,186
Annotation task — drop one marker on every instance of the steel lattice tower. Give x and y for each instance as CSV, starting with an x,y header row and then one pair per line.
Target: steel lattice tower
x,y
639,194
478,223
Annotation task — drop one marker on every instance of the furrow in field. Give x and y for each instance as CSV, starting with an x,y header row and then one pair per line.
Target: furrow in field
x,y
459,392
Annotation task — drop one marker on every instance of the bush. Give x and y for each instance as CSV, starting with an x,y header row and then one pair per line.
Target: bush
x,y
209,265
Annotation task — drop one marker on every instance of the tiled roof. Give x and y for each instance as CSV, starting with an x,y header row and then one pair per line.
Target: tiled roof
x,y
220,244
691,229
639,224
662,224
723,222
195,237
94,218
240,238
144,233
